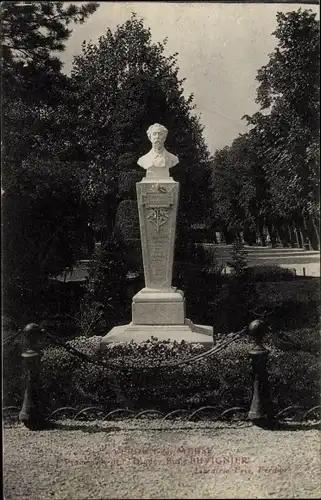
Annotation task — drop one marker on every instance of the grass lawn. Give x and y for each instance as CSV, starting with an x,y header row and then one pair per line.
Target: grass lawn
x,y
154,459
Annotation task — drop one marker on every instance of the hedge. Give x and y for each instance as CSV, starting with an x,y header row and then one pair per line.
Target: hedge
x,y
127,220
127,182
224,380
267,273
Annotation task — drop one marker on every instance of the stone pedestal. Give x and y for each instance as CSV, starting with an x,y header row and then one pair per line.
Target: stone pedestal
x,y
159,309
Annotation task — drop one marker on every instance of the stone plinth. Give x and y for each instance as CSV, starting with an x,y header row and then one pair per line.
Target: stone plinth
x,y
195,334
153,307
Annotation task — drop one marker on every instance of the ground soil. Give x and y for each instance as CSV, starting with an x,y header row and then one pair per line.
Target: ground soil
x,y
156,459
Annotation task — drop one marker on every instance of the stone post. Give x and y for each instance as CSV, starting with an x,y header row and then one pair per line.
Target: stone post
x,y
261,406
30,413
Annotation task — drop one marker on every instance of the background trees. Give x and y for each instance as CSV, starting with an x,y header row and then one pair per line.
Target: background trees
x,y
123,84
43,214
70,144
289,91
281,156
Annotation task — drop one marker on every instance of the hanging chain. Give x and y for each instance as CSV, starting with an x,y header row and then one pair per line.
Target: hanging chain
x,y
229,339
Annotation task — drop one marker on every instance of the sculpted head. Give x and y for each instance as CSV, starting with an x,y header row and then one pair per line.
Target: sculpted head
x,y
157,135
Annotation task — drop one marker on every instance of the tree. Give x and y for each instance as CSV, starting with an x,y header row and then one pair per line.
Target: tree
x,y
32,83
31,33
123,84
222,192
288,94
43,214
240,191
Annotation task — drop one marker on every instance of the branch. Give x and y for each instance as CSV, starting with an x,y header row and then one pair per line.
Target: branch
x,y
24,51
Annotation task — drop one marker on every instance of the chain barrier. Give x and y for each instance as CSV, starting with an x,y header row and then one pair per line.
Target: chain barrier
x,y
119,393
12,338
261,408
288,343
229,339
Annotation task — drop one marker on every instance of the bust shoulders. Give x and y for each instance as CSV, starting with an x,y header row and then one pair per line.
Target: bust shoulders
x,y
150,159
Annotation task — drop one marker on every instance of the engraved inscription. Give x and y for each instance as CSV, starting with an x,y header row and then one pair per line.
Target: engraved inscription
x,y
154,200
158,257
157,203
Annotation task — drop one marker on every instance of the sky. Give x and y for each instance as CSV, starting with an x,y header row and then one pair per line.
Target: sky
x,y
220,48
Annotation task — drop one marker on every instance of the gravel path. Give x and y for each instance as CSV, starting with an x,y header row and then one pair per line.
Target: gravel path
x,y
160,460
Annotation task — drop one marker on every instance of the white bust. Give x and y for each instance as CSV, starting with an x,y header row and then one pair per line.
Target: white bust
x,y
158,161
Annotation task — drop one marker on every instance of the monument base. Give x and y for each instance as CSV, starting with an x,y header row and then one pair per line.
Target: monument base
x,y
194,334
158,307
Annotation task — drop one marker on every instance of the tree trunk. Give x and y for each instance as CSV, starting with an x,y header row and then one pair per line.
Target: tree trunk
x,y
300,231
306,234
291,236
240,237
262,236
249,236
283,235
225,236
296,236
317,231
272,234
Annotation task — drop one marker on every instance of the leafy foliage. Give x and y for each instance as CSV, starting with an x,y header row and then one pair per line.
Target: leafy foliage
x,y
224,380
32,31
270,175
239,261
123,84
270,273
105,299
197,273
127,220
288,93
44,217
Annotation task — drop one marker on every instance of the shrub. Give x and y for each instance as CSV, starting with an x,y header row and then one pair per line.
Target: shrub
x,y
70,381
134,257
195,253
238,262
127,220
12,371
197,273
295,314
235,296
303,339
127,181
233,303
294,304
224,380
105,300
270,273
295,382
298,290
127,229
